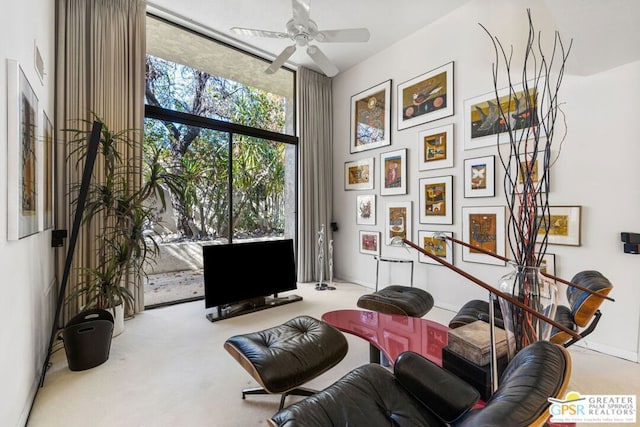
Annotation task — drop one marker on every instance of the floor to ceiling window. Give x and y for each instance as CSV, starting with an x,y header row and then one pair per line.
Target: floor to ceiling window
x,y
224,132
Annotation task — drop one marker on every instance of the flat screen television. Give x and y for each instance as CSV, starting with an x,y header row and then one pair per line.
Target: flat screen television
x,y
240,272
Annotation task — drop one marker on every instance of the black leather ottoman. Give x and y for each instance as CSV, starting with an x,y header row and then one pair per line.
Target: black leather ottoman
x,y
397,299
286,356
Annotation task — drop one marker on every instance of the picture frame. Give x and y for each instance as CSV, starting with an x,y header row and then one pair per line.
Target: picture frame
x,y
435,148
428,241
484,227
366,209
563,224
548,264
426,98
22,158
483,125
538,167
49,177
358,174
371,118
436,200
480,177
393,172
369,242
398,221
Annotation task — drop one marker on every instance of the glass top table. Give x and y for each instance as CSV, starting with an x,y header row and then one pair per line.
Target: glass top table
x,y
392,334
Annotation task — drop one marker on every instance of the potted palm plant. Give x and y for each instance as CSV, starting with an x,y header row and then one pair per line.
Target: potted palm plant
x,y
122,214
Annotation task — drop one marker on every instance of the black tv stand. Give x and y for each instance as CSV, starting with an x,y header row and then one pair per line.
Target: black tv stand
x,y
249,306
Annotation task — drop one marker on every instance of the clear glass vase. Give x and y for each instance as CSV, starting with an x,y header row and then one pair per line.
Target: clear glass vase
x,y
528,286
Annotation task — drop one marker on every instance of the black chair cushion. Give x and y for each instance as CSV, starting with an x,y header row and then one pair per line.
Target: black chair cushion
x,y
565,318
397,299
583,304
537,372
288,355
436,388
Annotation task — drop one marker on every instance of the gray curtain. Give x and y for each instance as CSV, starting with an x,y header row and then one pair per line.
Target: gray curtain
x,y
316,172
100,68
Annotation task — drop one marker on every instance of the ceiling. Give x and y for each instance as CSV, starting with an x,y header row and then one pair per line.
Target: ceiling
x,y
607,30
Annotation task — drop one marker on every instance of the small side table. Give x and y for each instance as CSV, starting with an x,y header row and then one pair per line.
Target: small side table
x,y
380,259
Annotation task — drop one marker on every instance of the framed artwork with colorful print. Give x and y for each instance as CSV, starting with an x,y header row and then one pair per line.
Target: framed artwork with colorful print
x,y
371,118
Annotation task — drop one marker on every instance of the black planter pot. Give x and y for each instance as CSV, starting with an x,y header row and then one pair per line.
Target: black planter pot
x,y
87,339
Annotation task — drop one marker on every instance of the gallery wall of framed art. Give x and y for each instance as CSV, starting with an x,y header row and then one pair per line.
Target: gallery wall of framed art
x,y
421,104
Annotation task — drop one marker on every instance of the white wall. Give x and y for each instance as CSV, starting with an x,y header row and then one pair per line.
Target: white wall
x,y
27,299
596,169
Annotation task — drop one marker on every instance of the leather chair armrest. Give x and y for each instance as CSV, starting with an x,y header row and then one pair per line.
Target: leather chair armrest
x,y
445,394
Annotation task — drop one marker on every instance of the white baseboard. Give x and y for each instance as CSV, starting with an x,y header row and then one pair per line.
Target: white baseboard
x,y
606,349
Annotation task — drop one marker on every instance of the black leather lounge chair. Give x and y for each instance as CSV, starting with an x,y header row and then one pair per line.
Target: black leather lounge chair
x,y
420,393
582,315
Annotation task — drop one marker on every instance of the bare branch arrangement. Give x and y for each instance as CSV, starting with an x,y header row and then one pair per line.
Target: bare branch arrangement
x,y
528,113
527,110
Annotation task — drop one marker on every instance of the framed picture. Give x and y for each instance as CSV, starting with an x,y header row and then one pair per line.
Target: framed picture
x,y
438,247
548,264
22,131
358,175
479,177
48,171
484,227
371,118
398,221
532,163
393,172
426,98
435,148
562,224
370,242
486,126
366,209
436,200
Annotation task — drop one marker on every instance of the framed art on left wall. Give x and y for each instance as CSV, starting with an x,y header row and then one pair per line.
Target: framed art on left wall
x,y
48,178
22,131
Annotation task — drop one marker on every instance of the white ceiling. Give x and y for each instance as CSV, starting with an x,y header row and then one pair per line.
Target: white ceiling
x,y
607,30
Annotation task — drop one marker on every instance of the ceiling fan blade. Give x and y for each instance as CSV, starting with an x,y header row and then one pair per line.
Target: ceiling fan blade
x,y
322,61
300,12
346,35
280,59
259,33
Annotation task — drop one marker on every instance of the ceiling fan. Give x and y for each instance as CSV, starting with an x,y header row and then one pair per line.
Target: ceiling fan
x,y
302,30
